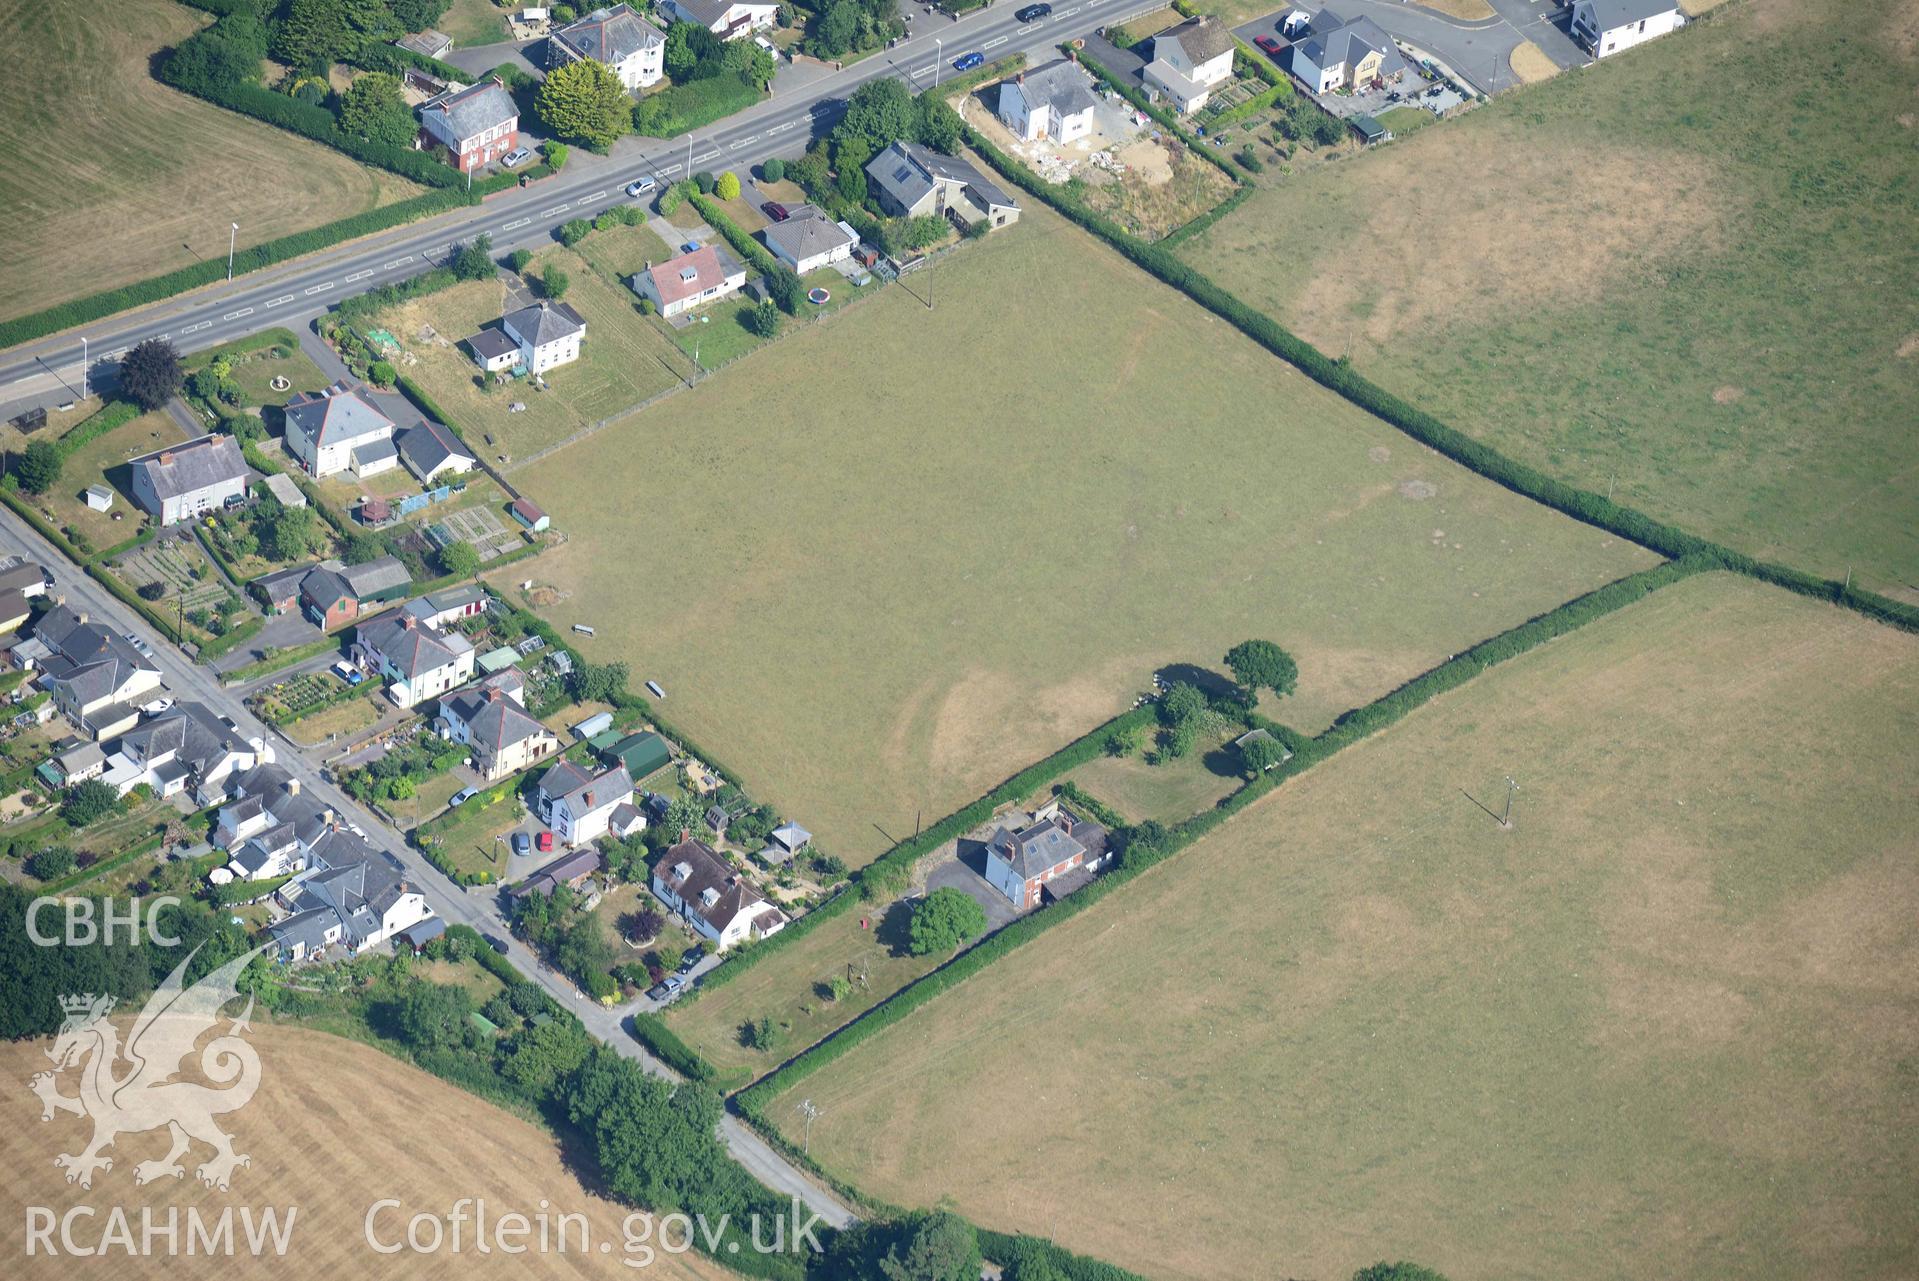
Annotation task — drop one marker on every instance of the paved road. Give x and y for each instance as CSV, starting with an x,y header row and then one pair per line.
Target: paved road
x,y
47,371
480,910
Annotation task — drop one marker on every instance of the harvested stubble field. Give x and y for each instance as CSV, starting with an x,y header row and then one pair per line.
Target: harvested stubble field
x,y
1646,278
122,178
422,1141
1666,1025
906,576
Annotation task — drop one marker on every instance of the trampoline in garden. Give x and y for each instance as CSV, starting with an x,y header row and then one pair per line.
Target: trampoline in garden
x,y
817,297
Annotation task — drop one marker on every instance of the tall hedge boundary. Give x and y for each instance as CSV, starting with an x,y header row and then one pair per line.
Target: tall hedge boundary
x,y
1340,377
781,281
1349,729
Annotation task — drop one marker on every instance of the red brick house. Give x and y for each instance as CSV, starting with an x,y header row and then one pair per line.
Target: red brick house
x,y
473,126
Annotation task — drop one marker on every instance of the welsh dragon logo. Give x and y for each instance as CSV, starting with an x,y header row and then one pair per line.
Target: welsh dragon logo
x,y
132,1090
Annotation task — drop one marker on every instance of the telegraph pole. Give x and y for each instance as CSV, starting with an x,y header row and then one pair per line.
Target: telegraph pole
x,y
811,1113
233,238
1511,787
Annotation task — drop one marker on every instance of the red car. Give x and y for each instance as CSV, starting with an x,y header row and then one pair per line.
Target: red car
x,y
776,211
1269,46
544,842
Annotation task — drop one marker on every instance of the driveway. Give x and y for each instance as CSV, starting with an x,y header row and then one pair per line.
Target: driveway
x,y
482,58
965,870
1478,52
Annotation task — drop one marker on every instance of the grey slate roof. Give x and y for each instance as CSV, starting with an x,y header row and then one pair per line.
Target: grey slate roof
x,y
23,576
1036,849
427,445
581,792
337,414
609,35
1203,38
705,12
198,464
409,647
1335,41
376,576
1063,85
1608,14
374,451
492,719
470,112
805,237
909,170
543,322
491,343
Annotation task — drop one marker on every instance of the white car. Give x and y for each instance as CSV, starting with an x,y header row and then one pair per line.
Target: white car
x,y
640,187
157,706
516,157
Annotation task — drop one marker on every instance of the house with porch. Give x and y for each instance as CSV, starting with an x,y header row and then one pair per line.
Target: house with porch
x,y
418,662
578,804
705,890
1054,101
809,240
430,450
1022,864
1340,53
339,429
705,275
179,482
472,127
1607,27
490,719
547,335
631,47
911,181
727,19
1190,61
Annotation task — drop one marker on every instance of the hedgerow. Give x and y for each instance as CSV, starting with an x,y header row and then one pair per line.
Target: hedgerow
x,y
686,107
781,281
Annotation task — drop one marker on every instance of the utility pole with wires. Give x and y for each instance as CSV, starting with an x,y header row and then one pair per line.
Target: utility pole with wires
x,y
1511,787
811,1113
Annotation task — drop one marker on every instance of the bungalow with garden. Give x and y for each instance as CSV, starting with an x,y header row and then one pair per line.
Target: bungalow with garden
x,y
1190,61
473,126
694,881
911,181
808,240
707,274
727,19
431,450
418,662
570,870
179,482
1054,101
631,47
339,429
490,719
579,805
549,334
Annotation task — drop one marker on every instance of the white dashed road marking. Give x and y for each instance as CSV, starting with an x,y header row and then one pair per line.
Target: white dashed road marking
x,y
994,44
517,222
359,275
319,289
234,315
397,262
283,298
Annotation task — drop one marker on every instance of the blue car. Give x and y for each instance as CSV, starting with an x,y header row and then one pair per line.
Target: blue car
x,y
689,246
967,61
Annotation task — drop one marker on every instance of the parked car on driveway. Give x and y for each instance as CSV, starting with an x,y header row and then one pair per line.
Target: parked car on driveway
x,y
692,958
495,942
666,989
640,187
462,796
689,246
1034,12
1269,46
967,61
516,157
775,210
522,843
545,842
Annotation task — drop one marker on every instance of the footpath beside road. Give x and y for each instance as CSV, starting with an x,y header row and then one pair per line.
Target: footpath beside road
x,y
479,910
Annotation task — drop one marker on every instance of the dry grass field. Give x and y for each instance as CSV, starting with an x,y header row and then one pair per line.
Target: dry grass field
x,y
1667,1025
118,177
335,1127
894,581
1641,277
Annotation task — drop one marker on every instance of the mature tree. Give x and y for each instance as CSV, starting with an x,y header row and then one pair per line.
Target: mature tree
x,y
585,102
880,113
773,169
51,864
150,373
585,949
727,186
330,30
89,802
554,283
942,1247
418,15
1397,1272
286,533
692,52
836,29
1260,664
574,230
1327,130
945,919
656,1141
750,62
763,318
763,1034
38,469
433,1014
373,108
851,178
474,259
227,53
642,926
460,560
939,124
598,682
685,814
541,1057
361,547
1181,703
1261,754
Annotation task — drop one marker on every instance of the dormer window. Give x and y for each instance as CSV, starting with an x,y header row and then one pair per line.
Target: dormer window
x,y
682,870
709,896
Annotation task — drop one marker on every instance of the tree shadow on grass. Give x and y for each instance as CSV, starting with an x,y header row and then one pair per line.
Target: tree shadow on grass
x,y
893,931
1209,682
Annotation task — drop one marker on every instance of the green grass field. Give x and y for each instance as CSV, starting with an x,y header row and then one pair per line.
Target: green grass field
x,y
1646,279
103,461
899,576
120,178
1666,1025
1169,792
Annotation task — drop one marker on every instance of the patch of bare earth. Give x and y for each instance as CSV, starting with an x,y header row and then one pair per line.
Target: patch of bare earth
x,y
1908,348
1727,395
1530,63
1547,222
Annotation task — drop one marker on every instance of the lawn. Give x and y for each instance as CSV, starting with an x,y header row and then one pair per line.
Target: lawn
x,y
1169,792
474,22
1641,281
900,576
342,720
99,461
719,336
791,987
618,252
254,372
1663,1026
128,178
468,840
623,361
